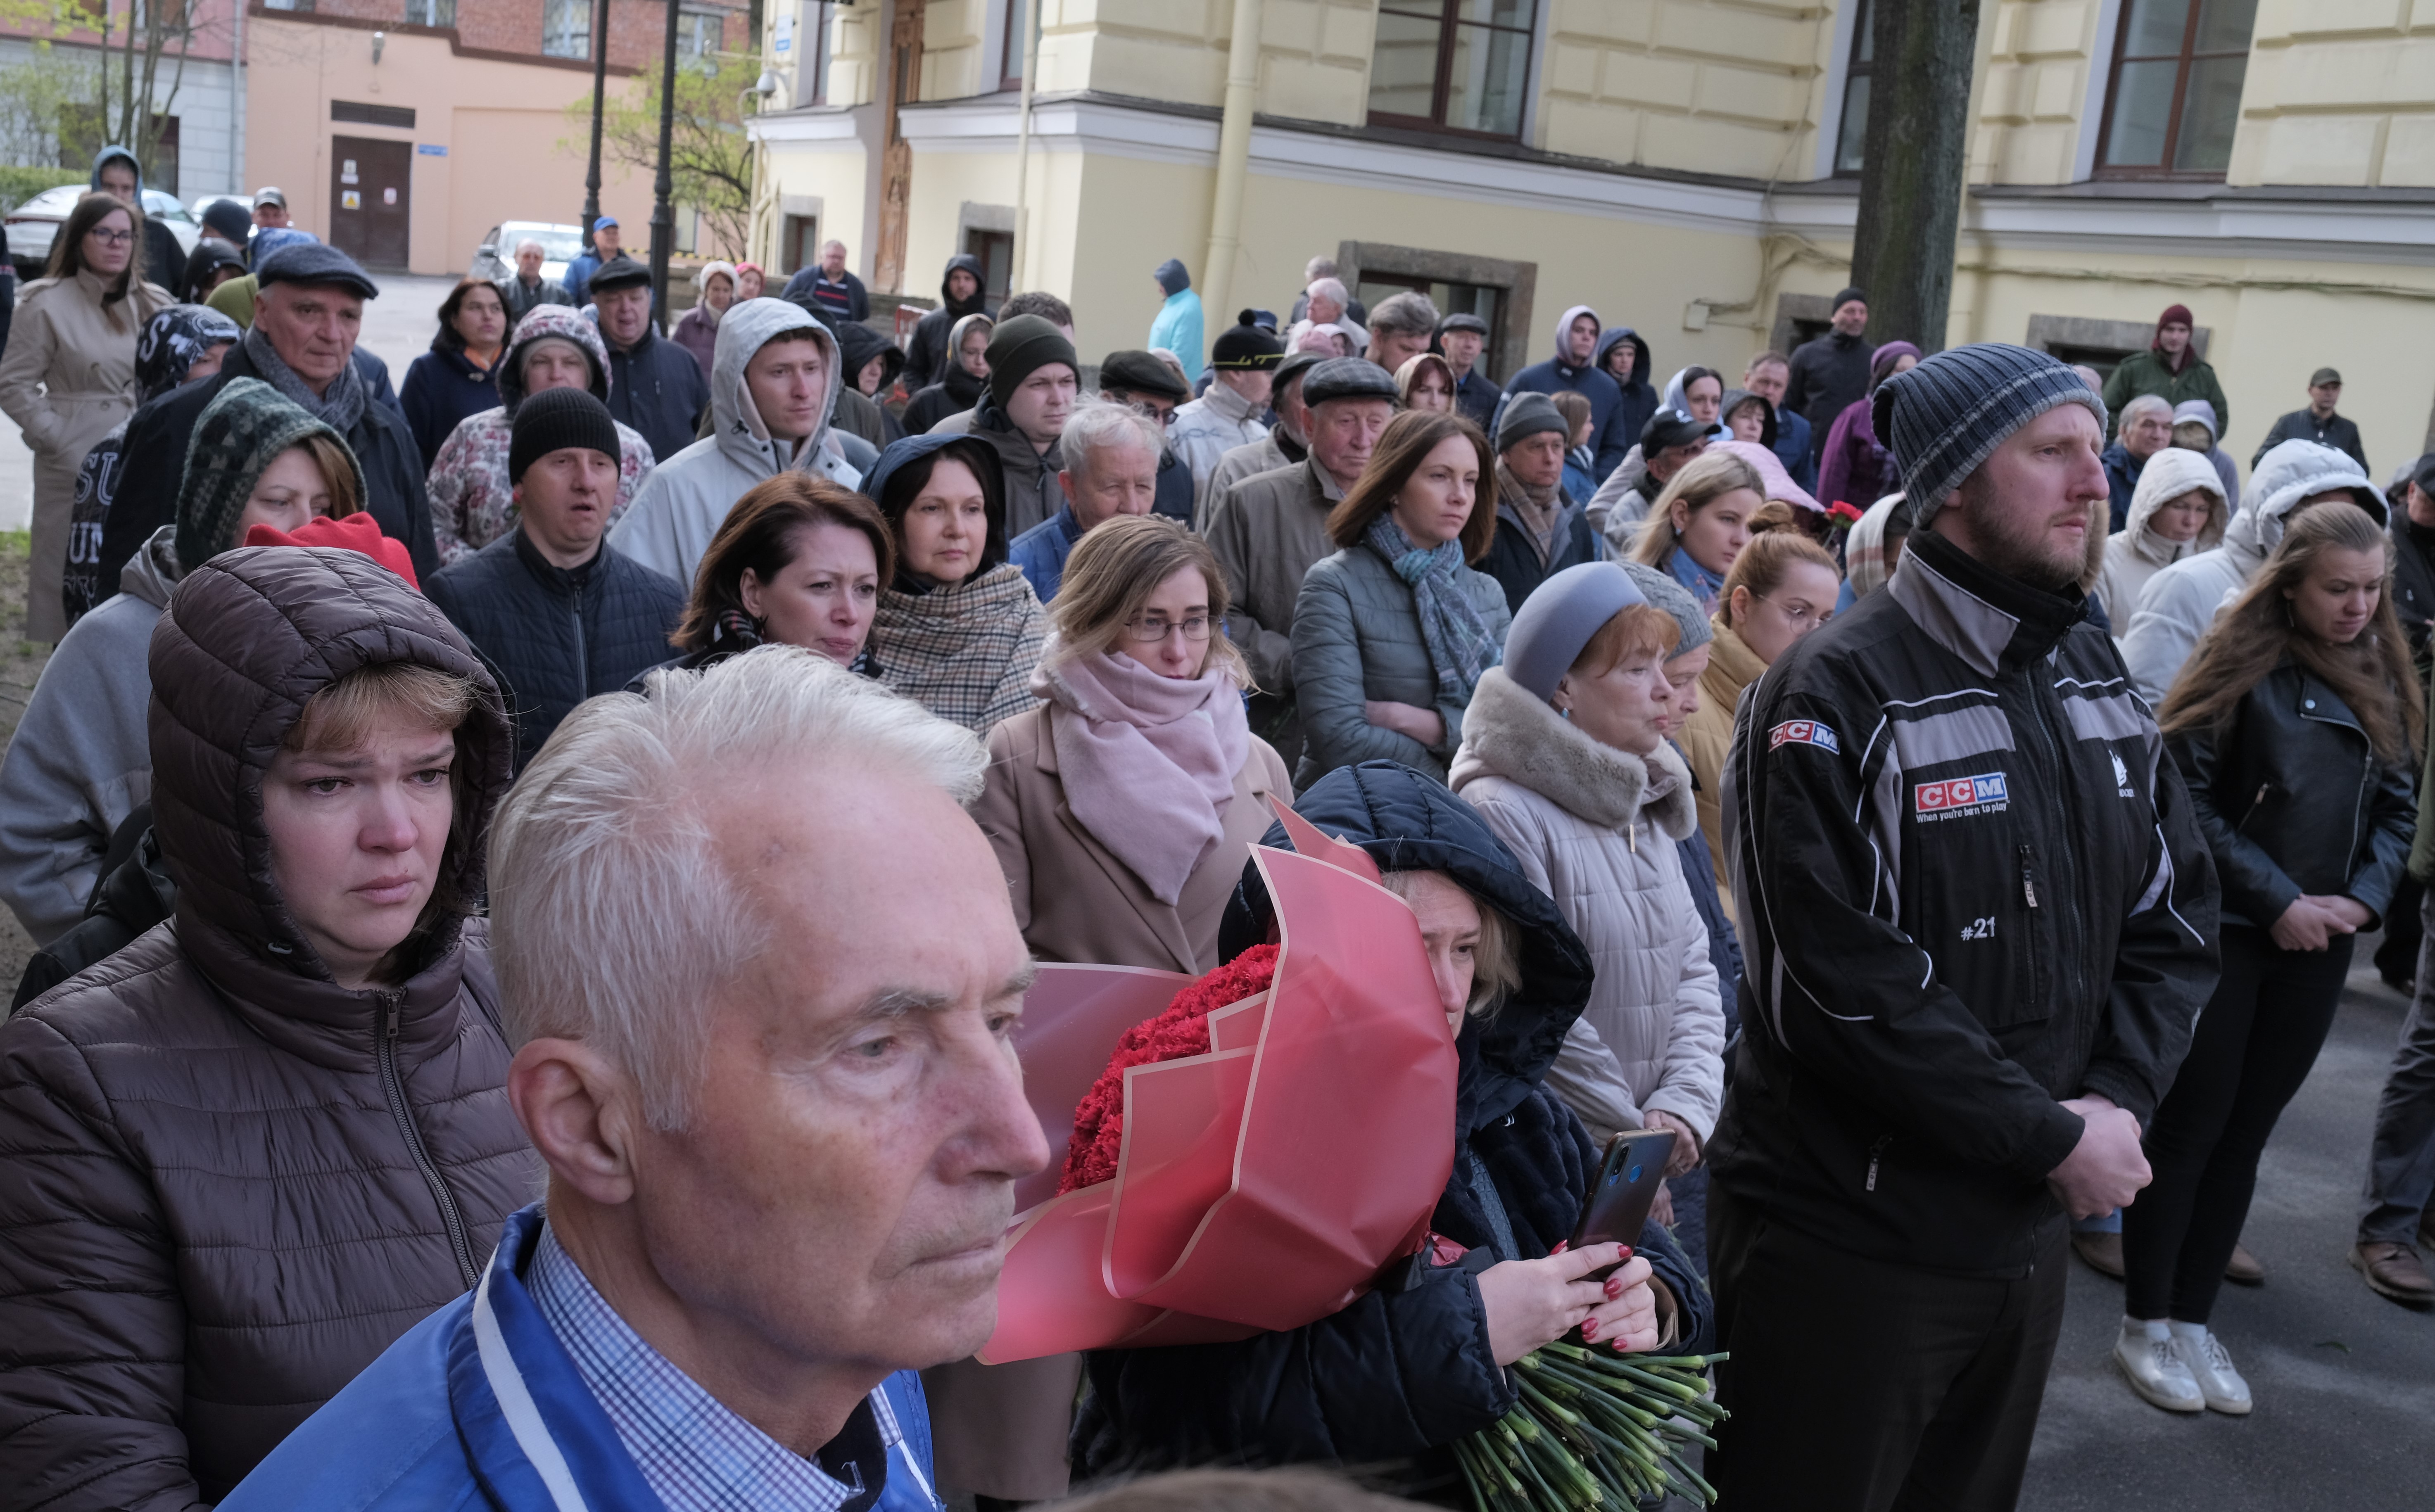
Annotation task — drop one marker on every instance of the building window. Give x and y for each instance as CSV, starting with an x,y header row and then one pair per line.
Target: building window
x,y
1456,65
698,35
566,28
799,245
1852,135
1018,26
431,13
2174,98
287,5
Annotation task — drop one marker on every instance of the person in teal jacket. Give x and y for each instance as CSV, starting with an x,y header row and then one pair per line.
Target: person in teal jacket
x,y
1177,327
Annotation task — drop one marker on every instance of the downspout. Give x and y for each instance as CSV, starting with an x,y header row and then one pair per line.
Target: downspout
x,y
236,103
1019,276
1234,161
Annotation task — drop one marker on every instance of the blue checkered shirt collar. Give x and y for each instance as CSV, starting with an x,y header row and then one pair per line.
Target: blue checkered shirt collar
x,y
695,1453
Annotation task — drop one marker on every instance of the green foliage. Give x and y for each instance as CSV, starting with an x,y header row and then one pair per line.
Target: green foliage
x,y
19,183
710,162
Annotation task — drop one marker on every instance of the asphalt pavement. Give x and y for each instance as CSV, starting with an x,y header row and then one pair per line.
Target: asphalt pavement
x,y
2344,1381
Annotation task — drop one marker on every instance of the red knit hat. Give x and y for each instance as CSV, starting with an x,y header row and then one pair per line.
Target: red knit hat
x,y
357,532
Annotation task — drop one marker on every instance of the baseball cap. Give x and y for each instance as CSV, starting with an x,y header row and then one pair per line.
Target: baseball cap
x,y
269,194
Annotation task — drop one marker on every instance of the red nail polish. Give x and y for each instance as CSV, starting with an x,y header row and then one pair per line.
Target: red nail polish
x,y
1589,1330
1626,1250
1561,1244
1613,1290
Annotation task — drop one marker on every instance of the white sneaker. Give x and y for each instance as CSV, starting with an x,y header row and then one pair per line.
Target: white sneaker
x,y
2155,1368
2210,1364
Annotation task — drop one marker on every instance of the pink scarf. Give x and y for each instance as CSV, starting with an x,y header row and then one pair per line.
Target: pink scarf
x,y
1147,763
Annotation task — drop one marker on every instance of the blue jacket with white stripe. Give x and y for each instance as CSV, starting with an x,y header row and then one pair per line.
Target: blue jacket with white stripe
x,y
478,1406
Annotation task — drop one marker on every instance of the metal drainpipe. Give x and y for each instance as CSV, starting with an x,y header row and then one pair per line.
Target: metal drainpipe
x,y
237,104
1234,161
1019,276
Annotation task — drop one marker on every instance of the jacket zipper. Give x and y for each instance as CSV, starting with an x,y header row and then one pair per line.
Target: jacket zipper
x,y
390,1002
1875,1151
582,647
2263,788
2028,884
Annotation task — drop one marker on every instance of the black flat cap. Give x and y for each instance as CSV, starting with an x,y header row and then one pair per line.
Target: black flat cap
x,y
1138,372
1463,320
620,273
315,263
1348,378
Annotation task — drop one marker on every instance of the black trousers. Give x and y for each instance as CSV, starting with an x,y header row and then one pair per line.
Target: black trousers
x,y
2254,1044
1860,1385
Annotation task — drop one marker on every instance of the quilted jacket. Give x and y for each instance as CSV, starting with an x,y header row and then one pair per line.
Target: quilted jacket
x,y
1356,636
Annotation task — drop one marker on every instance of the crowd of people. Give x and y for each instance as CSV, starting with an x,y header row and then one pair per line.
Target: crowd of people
x,y
640,768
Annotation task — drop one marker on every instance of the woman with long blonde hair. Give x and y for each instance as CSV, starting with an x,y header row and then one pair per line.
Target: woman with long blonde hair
x,y
1702,523
2295,727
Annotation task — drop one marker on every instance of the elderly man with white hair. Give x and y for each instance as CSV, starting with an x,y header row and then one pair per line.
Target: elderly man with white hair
x,y
1111,455
525,290
762,976
2145,428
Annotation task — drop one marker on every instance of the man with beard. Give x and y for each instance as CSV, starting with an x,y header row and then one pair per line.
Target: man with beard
x,y
1979,915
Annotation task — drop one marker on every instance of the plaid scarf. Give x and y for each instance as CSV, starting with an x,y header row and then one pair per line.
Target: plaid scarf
x,y
1460,646
964,651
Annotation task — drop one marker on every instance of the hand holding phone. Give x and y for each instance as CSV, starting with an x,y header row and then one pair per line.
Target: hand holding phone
x,y
1626,1187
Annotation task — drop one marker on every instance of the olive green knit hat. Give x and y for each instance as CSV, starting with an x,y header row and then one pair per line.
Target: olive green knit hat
x,y
241,431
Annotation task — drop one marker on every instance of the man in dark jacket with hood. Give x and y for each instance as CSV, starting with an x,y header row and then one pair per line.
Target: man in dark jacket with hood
x,y
1574,366
1034,382
1830,370
1640,397
116,172
302,343
654,385
959,293
1404,1370
560,618
1979,922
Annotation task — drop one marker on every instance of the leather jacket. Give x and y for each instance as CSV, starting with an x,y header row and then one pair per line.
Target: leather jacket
x,y
2293,800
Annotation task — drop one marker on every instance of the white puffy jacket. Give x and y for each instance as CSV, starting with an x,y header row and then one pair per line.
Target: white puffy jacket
x,y
1596,827
2134,554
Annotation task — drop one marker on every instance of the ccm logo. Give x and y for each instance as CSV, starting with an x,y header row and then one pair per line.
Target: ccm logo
x,y
1803,732
1958,793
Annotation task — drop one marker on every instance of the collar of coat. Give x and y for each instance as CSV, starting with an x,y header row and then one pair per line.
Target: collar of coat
x,y
1523,740
1995,624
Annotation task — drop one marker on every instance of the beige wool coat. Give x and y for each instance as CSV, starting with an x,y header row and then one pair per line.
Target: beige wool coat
x,y
68,377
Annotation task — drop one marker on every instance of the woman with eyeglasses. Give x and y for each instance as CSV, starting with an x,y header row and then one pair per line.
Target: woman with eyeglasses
x,y
69,373
1782,586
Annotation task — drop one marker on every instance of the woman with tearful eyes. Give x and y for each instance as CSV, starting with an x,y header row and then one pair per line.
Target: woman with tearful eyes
x,y
244,1155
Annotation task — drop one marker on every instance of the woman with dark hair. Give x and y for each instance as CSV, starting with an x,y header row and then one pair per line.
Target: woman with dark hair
x,y
1391,633
798,561
1393,1379
2294,726
69,374
1426,382
959,630
1856,467
1698,392
460,375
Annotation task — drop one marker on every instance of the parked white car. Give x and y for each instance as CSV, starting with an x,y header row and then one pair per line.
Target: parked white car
x,y
34,225
495,258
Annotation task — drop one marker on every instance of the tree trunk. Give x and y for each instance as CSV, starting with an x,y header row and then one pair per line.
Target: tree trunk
x,y
1911,184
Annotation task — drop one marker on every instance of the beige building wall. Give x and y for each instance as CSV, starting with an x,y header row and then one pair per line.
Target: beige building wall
x,y
2338,92
511,154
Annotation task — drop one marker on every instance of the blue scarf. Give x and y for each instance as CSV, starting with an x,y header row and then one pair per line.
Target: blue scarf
x,y
1705,586
1460,645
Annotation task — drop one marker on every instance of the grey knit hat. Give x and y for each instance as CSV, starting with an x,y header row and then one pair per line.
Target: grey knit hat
x,y
1559,618
1527,415
241,431
1948,415
1676,600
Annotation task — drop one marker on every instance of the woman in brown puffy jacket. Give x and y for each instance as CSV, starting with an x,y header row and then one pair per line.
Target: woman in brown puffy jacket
x,y
244,1155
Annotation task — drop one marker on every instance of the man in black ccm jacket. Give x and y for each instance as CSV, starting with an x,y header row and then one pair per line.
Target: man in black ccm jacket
x,y
1979,925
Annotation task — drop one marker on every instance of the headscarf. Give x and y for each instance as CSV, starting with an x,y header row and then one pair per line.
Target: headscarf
x,y
173,340
1409,375
1864,549
1881,366
1460,645
701,285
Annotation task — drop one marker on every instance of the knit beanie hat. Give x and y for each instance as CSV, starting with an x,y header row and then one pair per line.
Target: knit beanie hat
x,y
358,532
1559,618
1245,347
555,419
1021,347
1946,416
1530,415
1845,296
241,431
1663,590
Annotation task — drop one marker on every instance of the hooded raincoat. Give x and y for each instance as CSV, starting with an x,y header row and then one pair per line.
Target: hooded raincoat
x,y
473,504
1640,397
164,261
230,1182
2180,601
1609,437
688,495
1177,327
2136,553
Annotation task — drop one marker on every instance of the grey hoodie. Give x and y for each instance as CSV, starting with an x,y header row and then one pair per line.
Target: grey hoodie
x,y
2180,602
687,497
81,758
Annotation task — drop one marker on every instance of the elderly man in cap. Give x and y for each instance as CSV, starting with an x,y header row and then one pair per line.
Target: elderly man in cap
x,y
581,267
1243,366
1978,918
1287,443
655,385
308,313
1113,458
1035,381
762,978
1539,531
1461,337
1149,385
2318,422
1269,527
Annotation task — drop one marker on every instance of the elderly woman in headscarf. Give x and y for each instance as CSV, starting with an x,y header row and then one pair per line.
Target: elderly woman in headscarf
x,y
180,345
1855,465
1426,382
698,333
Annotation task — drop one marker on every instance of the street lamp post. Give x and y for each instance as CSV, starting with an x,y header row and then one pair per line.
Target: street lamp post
x,y
663,215
599,83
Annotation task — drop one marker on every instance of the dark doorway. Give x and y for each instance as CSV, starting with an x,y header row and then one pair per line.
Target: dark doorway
x,y
996,249
370,199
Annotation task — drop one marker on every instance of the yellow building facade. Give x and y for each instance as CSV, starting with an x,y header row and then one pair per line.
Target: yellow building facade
x,y
1687,167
